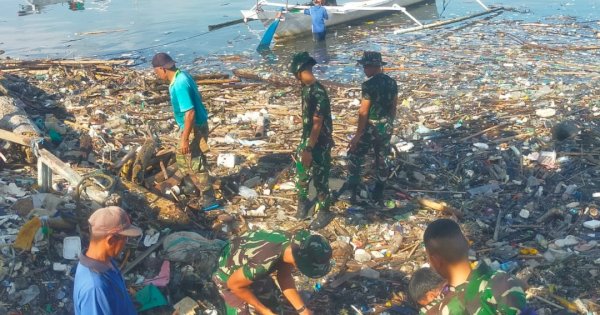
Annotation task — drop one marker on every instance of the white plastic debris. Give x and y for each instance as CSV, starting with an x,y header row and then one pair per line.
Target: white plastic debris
x,y
151,239
59,267
570,240
259,212
545,112
287,186
71,247
362,255
403,146
12,189
593,224
481,146
226,160
248,193
524,213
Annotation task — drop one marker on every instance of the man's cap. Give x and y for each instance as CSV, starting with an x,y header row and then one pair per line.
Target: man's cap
x,y
301,60
312,254
371,58
162,60
112,220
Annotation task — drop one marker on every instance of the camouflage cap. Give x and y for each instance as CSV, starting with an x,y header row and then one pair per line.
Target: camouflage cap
x,y
371,58
300,60
312,254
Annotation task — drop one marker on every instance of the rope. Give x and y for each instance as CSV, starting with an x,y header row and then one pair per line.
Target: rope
x,y
80,186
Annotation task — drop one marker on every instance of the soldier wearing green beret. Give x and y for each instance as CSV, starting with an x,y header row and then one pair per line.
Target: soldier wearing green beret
x,y
254,256
375,124
313,156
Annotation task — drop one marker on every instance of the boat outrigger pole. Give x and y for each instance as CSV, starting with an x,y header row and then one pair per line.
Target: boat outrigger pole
x,y
445,22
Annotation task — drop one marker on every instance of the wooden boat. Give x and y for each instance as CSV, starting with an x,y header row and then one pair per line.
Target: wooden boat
x,y
295,22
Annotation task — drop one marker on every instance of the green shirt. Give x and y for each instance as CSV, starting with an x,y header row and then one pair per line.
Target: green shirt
x,y
315,102
184,97
382,91
256,253
485,292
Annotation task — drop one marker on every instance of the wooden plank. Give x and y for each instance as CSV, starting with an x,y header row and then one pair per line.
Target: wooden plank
x,y
59,167
15,138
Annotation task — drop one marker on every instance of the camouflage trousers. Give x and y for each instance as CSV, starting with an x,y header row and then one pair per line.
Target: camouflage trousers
x,y
377,136
194,164
318,173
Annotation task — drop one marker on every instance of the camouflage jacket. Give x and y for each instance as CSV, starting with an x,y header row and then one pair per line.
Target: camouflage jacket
x,y
315,102
256,252
485,292
382,91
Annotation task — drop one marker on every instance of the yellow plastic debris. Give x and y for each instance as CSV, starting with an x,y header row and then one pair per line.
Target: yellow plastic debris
x,y
27,233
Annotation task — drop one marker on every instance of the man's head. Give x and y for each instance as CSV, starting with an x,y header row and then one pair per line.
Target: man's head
x,y
371,62
445,245
312,254
425,286
109,229
301,66
162,63
317,2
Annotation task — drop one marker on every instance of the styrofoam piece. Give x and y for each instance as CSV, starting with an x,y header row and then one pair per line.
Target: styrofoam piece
x,y
227,160
71,247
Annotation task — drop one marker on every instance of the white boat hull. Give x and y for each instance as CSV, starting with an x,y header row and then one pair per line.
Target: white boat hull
x,y
297,23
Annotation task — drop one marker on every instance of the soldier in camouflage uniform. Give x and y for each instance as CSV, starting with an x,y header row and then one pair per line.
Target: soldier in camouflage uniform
x,y
313,156
375,124
256,255
481,291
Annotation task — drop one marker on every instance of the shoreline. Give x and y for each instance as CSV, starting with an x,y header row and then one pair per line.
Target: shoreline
x,y
478,101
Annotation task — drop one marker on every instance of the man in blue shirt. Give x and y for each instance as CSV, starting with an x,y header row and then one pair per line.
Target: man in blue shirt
x,y
318,14
99,287
191,117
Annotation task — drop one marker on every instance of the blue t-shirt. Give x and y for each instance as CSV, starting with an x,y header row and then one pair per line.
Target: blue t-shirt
x,y
318,14
100,289
185,96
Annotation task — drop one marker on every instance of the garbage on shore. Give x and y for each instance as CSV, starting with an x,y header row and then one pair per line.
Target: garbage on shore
x,y
498,131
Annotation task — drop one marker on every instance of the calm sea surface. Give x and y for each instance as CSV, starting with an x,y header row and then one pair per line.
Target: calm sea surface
x,y
139,28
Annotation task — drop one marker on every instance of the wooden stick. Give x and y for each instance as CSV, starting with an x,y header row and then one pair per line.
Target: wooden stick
x,y
549,302
483,131
446,22
414,250
143,255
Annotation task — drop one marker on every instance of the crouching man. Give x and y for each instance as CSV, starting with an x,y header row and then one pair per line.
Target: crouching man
x,y
254,256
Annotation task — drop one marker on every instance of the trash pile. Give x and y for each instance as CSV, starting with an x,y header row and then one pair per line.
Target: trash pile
x,y
497,127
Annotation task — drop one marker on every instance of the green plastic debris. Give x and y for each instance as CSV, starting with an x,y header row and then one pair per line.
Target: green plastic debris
x,y
150,297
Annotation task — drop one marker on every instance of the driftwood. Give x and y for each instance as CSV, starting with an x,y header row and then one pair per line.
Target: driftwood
x,y
14,119
45,64
279,80
139,199
439,206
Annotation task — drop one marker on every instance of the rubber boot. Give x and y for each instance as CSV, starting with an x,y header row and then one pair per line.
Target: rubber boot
x,y
378,193
324,217
352,188
303,208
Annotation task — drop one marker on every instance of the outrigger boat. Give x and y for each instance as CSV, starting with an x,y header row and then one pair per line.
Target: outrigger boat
x,y
295,22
